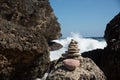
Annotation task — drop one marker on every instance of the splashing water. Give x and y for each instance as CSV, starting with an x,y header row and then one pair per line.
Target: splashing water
x,y
85,44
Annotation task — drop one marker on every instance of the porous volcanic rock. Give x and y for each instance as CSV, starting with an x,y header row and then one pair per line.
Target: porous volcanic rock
x,y
108,59
5,68
35,14
87,70
26,27
27,51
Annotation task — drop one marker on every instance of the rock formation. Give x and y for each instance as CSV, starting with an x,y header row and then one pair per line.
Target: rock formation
x,y
73,50
26,27
72,66
34,14
108,59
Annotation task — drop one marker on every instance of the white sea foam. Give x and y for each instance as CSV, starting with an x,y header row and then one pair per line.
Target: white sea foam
x,y
85,44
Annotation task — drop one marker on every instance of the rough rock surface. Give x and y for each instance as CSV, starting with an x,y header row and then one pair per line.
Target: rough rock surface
x,y
24,49
5,68
112,32
26,27
35,14
86,71
108,59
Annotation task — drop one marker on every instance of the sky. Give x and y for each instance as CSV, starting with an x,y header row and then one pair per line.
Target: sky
x,y
86,17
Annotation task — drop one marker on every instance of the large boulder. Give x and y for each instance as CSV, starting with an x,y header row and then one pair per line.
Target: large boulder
x,y
111,61
85,69
26,27
108,59
27,51
35,14
112,33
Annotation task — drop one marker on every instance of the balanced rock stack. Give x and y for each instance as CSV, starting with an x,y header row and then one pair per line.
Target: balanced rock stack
x,y
73,50
72,66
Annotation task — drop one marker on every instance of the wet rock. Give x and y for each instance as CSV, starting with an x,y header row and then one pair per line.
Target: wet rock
x,y
112,33
108,59
112,51
54,46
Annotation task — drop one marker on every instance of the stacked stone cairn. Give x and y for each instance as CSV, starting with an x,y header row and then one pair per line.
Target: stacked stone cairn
x,y
72,66
73,51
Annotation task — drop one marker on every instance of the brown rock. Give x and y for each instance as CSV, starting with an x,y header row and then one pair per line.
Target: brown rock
x,y
26,27
25,50
5,68
70,55
35,14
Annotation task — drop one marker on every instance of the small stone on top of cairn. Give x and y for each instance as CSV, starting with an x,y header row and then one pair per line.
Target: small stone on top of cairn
x,y
73,50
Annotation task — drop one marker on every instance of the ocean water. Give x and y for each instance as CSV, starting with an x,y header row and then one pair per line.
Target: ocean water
x,y
84,44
